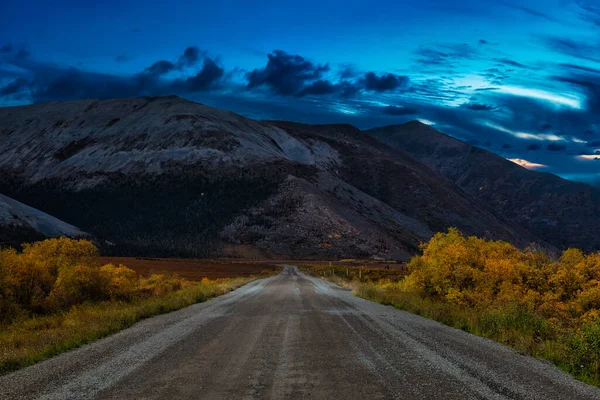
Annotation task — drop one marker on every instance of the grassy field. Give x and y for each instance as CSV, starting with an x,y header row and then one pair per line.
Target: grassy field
x,y
58,294
29,341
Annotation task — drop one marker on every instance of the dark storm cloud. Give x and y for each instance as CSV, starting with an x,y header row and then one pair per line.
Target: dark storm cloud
x,y
395,110
590,84
293,75
556,147
348,89
160,68
286,74
190,57
319,88
47,82
204,79
384,83
348,71
478,106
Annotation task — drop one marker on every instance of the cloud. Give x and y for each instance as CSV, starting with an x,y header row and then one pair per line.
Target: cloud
x,y
590,84
594,157
122,58
445,54
190,57
292,75
319,88
526,164
41,82
384,83
531,11
14,87
206,78
160,68
430,56
556,147
8,48
395,110
478,106
589,13
533,147
570,47
286,74
579,68
348,71
511,63
348,89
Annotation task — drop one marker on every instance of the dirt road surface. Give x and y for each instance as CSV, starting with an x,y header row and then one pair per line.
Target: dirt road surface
x,y
290,337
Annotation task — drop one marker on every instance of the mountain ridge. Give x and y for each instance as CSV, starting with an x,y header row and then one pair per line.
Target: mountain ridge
x,y
166,176
555,209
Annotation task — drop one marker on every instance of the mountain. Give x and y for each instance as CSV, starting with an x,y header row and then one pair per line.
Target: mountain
x,y
562,212
166,176
20,223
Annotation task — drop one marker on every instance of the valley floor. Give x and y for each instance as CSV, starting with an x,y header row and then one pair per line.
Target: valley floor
x,y
293,336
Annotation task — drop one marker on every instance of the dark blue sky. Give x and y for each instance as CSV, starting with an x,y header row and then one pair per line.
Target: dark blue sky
x,y
521,79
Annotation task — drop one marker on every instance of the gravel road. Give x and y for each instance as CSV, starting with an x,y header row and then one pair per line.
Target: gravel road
x,y
288,337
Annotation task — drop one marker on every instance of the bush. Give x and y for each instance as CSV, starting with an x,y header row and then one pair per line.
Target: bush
x,y
120,283
76,285
56,274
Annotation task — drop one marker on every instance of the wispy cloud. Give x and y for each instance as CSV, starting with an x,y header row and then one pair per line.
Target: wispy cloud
x,y
527,164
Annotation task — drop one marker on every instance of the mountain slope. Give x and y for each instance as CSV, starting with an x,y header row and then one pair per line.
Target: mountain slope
x,y
562,212
19,223
165,176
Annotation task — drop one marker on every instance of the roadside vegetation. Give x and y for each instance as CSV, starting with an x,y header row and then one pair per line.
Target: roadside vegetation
x,y
544,306
55,295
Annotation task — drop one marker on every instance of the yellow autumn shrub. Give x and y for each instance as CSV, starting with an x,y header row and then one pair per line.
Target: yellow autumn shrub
x,y
120,283
55,274
486,274
75,285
